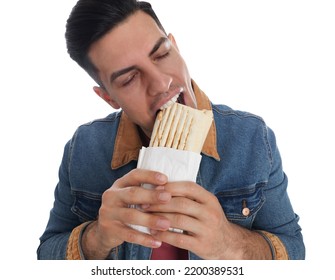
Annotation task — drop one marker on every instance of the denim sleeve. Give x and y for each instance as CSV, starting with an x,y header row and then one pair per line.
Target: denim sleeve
x,y
54,240
277,215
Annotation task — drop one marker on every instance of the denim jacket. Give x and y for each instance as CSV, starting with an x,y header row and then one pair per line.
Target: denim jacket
x,y
240,164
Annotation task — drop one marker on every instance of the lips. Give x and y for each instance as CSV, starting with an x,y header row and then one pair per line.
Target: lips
x,y
170,102
176,98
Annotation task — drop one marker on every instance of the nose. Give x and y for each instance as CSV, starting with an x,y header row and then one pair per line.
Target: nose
x,y
159,82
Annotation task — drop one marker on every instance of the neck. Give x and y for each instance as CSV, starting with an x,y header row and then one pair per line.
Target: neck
x,y
145,139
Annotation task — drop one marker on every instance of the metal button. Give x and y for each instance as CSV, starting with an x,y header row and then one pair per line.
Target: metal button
x,y
246,211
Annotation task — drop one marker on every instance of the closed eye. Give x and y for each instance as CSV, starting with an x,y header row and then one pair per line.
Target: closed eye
x,y
163,56
129,80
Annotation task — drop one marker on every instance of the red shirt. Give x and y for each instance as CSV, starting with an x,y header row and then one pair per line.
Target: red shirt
x,y
169,252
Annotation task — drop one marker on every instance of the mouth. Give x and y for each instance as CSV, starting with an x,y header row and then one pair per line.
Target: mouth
x,y
179,98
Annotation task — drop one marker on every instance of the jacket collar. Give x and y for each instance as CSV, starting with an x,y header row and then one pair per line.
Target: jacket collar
x,y
128,142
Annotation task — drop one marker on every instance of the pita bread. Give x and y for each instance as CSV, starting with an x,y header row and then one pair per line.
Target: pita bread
x,y
181,127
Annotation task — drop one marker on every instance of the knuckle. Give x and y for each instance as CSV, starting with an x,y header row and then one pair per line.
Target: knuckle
x,y
131,236
183,204
117,182
109,198
180,241
214,217
180,220
129,215
135,174
152,223
105,196
102,212
132,193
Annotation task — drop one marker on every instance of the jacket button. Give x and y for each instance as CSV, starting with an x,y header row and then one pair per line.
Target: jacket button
x,y
245,211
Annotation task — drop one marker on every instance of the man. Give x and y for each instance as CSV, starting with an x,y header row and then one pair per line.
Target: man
x,y
237,209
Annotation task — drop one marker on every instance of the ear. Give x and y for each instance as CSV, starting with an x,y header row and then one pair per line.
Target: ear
x,y
101,92
173,41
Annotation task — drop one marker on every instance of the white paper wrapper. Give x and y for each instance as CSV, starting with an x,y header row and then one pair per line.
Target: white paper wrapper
x,y
178,165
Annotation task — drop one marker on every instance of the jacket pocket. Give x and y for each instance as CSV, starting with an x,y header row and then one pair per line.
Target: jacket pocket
x,y
86,205
242,204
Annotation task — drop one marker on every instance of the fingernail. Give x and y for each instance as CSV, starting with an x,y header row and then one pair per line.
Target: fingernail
x,y
156,243
145,206
164,196
163,224
161,177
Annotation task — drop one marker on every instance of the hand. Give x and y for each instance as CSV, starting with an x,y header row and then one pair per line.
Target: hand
x,y
111,229
208,232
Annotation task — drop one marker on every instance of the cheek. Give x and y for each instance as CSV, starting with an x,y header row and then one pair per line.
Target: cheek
x,y
180,70
137,110
129,100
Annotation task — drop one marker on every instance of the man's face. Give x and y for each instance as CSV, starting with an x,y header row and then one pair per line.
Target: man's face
x,y
141,70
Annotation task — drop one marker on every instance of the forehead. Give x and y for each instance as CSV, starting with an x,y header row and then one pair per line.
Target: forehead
x,y
130,39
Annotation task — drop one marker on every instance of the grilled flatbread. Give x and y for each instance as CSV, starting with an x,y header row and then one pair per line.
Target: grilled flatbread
x,y
181,127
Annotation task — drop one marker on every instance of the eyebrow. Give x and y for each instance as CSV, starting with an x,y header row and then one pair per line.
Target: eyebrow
x,y
121,72
160,41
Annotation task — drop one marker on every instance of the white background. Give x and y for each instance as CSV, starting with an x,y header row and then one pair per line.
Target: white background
x,y
272,58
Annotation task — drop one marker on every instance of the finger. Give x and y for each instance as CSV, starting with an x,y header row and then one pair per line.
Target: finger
x,y
133,236
180,205
136,177
190,190
178,240
136,217
134,195
185,223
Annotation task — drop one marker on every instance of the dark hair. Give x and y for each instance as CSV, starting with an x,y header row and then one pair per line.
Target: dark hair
x,y
92,19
